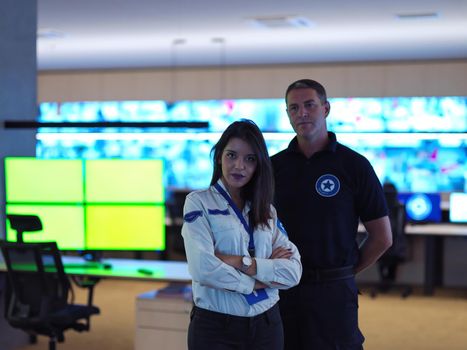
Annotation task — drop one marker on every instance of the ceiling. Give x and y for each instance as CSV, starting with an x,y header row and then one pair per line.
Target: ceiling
x,y
107,34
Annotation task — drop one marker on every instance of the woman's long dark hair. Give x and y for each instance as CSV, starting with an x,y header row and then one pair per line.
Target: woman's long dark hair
x,y
260,189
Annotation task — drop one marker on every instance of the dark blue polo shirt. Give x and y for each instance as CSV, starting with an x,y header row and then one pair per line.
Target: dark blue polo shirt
x,y
320,200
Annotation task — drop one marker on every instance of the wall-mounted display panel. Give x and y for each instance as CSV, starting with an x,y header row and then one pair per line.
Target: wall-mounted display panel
x,y
127,181
61,223
418,143
47,181
123,209
125,227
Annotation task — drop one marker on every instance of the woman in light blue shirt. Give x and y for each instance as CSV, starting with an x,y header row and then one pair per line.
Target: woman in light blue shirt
x,y
238,253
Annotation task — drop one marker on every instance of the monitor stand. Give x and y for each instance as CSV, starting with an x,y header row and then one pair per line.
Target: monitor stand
x,y
92,259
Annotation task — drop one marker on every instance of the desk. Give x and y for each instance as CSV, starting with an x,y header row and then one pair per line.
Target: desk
x,y
434,250
154,270
162,320
431,229
436,229
434,244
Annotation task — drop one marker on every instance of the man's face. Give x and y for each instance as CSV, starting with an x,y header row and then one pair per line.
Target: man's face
x,y
307,114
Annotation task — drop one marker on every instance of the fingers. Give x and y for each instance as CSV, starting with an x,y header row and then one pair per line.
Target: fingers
x,y
281,253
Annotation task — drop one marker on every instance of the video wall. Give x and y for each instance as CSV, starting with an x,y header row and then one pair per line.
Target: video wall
x,y
418,143
93,204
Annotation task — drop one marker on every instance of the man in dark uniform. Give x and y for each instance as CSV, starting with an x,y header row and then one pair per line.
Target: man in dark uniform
x,y
323,189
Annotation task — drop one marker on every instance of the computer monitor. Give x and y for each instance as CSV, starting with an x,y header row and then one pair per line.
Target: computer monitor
x,y
421,207
458,208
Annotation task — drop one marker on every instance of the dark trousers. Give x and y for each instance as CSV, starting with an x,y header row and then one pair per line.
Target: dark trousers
x,y
321,316
210,330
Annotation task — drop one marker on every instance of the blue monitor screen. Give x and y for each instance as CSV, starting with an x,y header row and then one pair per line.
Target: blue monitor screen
x,y
422,207
458,207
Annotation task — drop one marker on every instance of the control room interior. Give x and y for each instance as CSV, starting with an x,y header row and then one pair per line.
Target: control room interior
x,y
113,75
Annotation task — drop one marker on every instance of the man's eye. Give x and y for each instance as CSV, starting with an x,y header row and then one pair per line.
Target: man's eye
x,y
293,109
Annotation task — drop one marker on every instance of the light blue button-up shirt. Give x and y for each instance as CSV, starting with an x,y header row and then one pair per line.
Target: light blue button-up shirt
x,y
211,225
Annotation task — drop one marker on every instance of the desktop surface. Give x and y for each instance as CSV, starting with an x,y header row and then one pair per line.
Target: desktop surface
x,y
155,270
437,229
431,229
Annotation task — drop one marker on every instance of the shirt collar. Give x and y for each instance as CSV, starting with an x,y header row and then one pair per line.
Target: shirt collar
x,y
246,208
330,147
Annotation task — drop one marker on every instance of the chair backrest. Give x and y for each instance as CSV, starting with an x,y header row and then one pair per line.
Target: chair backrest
x,y
175,209
397,217
24,223
38,282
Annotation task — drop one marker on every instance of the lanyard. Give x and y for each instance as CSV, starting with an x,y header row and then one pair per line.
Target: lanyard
x,y
248,228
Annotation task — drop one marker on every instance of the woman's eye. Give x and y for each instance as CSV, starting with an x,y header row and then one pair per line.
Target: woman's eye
x,y
251,159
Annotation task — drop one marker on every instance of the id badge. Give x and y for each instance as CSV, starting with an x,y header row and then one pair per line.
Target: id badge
x,y
256,296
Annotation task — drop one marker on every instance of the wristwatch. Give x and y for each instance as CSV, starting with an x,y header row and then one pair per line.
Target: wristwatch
x,y
247,261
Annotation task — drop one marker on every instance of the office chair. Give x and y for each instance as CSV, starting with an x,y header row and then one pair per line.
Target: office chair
x,y
398,253
40,295
175,242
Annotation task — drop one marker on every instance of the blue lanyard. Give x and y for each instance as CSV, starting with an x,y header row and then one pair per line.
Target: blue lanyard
x,y
248,228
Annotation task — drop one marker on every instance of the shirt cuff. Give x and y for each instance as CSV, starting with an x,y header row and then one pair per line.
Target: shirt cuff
x,y
246,284
264,270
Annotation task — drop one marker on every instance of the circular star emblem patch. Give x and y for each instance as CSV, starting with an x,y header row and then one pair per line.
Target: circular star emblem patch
x,y
327,185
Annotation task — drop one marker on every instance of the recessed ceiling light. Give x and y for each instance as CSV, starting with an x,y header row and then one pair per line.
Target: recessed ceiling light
x,y
218,40
49,33
179,41
419,15
281,22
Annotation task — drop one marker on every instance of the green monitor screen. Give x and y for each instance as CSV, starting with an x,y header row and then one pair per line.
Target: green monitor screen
x,y
29,180
128,181
123,207
61,223
129,227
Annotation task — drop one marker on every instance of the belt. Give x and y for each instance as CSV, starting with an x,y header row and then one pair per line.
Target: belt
x,y
220,317
322,275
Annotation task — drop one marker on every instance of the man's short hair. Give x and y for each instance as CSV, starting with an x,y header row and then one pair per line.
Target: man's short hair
x,y
308,84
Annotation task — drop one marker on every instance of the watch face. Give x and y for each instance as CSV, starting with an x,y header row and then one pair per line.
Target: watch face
x,y
247,261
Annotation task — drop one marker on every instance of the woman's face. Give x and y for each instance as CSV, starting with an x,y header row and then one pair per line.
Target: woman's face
x,y
239,163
